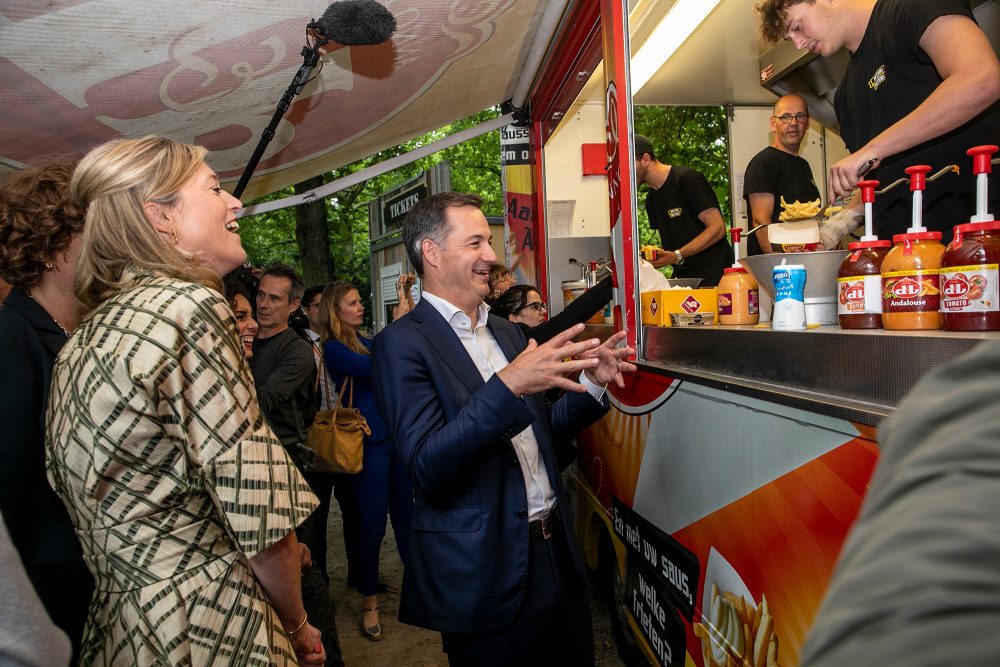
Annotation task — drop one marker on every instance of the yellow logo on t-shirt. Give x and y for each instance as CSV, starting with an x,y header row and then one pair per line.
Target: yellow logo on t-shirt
x,y
877,80
674,212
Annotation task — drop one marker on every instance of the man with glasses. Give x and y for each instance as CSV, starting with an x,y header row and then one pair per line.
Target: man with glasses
x,y
778,171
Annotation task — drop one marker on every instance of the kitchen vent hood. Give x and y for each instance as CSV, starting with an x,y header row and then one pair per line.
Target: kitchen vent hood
x,y
785,69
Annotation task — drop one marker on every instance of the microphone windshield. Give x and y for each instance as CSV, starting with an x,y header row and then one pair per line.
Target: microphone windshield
x,y
356,23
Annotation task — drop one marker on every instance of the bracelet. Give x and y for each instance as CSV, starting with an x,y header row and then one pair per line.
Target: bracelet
x,y
305,619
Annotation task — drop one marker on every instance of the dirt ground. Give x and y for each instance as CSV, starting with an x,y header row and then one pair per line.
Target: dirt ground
x,y
404,645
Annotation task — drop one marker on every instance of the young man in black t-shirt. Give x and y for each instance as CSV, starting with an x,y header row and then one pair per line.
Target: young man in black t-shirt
x,y
682,206
778,171
921,88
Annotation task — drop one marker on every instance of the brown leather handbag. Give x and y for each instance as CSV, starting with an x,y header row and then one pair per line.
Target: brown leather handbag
x,y
337,435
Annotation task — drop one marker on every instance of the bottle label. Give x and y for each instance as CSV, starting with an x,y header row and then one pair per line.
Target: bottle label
x,y
970,289
911,291
859,295
725,303
753,300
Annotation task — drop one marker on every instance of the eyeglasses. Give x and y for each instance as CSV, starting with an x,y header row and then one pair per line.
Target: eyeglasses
x,y
538,306
787,118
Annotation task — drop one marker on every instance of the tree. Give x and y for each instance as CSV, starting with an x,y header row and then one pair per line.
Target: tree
x,y
336,243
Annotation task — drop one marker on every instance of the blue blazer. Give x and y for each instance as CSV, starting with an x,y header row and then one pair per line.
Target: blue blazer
x,y
469,536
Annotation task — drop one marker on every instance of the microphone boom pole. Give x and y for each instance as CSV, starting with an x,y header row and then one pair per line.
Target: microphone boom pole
x,y
310,58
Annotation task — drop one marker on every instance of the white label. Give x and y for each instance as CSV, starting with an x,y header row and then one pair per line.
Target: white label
x,y
970,289
859,295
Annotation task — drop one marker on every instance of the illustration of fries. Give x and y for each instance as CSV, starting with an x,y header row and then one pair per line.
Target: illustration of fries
x,y
736,633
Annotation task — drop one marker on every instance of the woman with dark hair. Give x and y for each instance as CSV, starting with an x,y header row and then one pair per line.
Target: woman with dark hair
x,y
240,300
522,305
184,499
382,487
40,228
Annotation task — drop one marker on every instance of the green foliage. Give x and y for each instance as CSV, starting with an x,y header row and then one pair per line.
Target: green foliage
x,y
691,136
475,167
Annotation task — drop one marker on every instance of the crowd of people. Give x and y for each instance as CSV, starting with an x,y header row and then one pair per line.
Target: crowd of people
x,y
160,503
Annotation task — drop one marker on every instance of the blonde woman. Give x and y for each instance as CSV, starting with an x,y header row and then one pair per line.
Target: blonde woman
x,y
185,502
382,487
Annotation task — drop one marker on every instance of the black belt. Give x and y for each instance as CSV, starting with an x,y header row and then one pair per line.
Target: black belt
x,y
544,527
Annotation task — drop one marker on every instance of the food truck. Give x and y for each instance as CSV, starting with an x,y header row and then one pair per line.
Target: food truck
x,y
715,496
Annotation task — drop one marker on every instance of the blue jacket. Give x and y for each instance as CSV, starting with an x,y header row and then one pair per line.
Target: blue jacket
x,y
341,362
469,536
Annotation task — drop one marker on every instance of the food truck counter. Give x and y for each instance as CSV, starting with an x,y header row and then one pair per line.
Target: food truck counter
x,y
855,375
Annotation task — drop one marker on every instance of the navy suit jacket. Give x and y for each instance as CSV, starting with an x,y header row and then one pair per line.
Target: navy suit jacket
x,y
469,538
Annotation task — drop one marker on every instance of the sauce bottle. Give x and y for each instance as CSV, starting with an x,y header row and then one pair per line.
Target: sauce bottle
x,y
911,296
738,297
970,297
859,285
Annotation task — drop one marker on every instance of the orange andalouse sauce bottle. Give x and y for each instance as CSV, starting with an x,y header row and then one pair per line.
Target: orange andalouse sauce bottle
x,y
970,297
911,291
738,297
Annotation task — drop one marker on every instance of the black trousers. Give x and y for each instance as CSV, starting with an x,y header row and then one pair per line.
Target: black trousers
x,y
551,627
313,531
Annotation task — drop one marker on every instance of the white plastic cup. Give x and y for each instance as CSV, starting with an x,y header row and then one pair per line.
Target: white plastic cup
x,y
789,312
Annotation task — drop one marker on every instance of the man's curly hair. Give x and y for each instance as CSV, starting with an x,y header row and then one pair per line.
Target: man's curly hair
x,y
38,220
772,18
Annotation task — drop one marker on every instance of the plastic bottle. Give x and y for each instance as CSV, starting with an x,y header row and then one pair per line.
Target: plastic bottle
x,y
970,295
859,285
738,297
789,302
911,291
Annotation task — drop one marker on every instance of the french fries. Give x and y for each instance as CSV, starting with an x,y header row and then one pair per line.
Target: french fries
x,y
736,633
798,210
831,210
649,252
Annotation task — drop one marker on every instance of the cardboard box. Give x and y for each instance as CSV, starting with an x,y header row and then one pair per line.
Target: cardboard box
x,y
681,307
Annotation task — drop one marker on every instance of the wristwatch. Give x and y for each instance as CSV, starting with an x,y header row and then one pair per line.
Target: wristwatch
x,y
680,257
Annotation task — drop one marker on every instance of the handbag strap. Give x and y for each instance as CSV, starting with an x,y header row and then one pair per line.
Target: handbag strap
x,y
349,380
322,378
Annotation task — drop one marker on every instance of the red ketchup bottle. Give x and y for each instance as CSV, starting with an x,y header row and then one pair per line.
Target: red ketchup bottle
x,y
970,294
859,278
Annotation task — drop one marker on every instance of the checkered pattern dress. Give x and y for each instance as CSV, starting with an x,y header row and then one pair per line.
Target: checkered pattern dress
x,y
173,480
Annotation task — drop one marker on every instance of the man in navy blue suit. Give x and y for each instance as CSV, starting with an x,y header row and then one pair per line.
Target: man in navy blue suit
x,y
493,563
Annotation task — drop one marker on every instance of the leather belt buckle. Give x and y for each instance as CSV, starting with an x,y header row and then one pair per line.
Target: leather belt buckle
x,y
546,527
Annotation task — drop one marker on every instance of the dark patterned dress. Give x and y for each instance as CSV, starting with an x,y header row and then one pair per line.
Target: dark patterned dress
x,y
173,480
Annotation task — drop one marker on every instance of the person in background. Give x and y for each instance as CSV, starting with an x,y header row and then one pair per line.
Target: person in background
x,y
179,491
40,228
778,171
404,295
523,305
382,487
315,585
493,565
921,87
917,583
325,484
501,280
238,296
684,209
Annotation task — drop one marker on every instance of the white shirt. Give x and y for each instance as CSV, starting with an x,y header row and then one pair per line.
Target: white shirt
x,y
486,354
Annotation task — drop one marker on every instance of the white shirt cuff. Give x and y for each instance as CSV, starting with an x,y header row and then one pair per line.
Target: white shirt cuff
x,y
595,390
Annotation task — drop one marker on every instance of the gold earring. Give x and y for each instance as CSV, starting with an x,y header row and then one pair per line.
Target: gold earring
x,y
173,237
48,266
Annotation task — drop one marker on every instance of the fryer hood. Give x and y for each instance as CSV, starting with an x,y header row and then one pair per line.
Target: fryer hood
x,y
785,69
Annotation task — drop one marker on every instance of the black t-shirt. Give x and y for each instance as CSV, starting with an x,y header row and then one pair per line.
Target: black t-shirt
x,y
887,78
781,174
673,210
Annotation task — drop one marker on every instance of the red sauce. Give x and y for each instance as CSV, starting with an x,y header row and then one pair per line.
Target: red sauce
x,y
970,295
859,285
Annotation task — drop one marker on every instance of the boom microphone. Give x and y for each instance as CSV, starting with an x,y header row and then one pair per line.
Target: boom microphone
x,y
355,23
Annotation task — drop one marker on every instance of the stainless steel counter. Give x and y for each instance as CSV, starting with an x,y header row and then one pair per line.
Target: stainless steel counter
x,y
855,375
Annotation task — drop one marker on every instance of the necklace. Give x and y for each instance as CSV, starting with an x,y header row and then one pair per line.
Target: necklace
x,y
58,324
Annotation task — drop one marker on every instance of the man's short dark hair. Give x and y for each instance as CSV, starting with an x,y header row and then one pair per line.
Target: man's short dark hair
x,y
280,270
310,292
643,146
428,219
